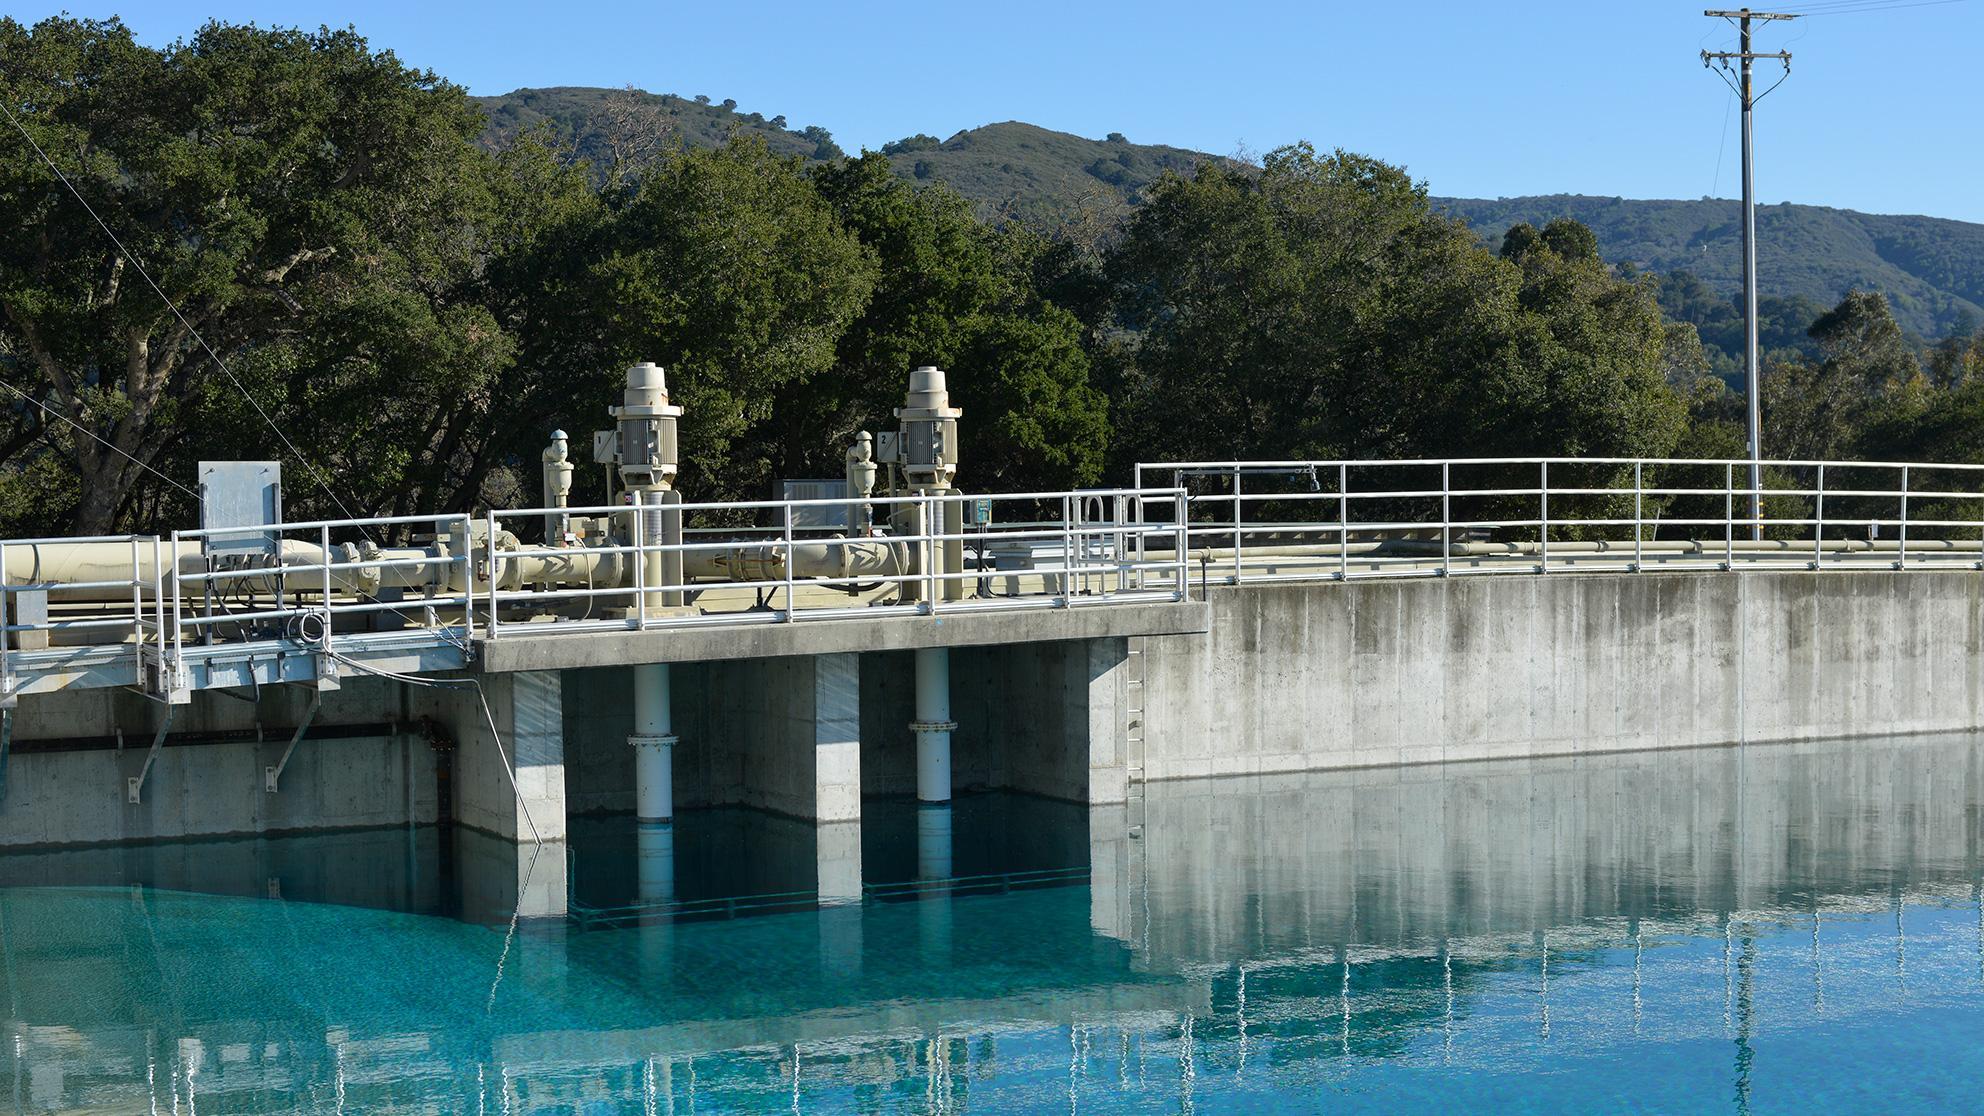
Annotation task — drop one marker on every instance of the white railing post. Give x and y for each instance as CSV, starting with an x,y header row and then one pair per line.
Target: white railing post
x,y
137,618
324,550
1901,544
468,582
1729,515
1639,516
1543,521
1183,531
1067,550
1342,522
1238,520
6,620
158,603
791,604
1446,519
489,564
640,537
178,620
1819,521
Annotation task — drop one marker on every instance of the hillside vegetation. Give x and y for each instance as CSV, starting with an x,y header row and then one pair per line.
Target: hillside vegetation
x,y
1931,269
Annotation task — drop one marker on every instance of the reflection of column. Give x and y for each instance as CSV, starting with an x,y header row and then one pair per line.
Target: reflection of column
x,y
839,853
933,842
839,857
655,861
1109,871
933,863
500,880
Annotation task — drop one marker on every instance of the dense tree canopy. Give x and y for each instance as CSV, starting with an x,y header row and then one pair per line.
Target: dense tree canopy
x,y
414,312
1321,308
296,194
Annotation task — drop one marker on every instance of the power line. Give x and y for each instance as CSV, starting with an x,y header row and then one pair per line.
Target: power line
x,y
315,473
53,413
1851,7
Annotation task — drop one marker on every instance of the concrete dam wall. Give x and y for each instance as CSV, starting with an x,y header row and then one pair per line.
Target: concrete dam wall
x,y
1290,677
1318,676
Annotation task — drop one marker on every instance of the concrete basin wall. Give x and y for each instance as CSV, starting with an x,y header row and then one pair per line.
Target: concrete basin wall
x,y
1374,673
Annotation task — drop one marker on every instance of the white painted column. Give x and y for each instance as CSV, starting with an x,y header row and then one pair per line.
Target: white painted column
x,y
933,724
933,727
654,745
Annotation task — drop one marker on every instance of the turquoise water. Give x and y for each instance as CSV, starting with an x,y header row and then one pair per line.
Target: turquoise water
x,y
1771,930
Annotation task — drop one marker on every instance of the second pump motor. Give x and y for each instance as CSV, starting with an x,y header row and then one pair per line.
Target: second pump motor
x,y
918,458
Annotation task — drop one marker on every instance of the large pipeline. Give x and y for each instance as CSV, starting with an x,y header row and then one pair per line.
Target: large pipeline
x,y
102,571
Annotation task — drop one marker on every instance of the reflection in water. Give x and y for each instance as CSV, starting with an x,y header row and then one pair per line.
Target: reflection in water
x,y
1764,929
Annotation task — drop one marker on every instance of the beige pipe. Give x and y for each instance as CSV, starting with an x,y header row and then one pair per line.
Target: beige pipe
x,y
58,565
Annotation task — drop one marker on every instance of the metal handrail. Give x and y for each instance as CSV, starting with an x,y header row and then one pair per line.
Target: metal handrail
x,y
1815,525
1088,553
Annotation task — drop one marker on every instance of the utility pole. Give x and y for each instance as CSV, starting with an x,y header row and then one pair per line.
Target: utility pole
x,y
1745,89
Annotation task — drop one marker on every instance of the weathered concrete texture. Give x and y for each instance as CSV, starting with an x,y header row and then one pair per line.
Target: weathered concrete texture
x,y
1046,718
778,734
1307,677
806,736
963,628
514,788
199,788
599,763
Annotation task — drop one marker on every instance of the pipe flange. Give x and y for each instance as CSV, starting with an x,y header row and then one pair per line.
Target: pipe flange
x,y
933,726
639,741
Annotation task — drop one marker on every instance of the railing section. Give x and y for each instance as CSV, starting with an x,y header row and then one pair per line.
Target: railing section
x,y
1253,521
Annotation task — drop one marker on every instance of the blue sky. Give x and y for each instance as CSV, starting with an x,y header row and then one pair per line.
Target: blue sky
x,y
1480,99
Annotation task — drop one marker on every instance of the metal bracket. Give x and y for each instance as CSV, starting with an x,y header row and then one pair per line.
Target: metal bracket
x,y
134,786
271,776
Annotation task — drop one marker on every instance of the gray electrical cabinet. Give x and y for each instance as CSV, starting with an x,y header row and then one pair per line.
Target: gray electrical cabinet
x,y
244,494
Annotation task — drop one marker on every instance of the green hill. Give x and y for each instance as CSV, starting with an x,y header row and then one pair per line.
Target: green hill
x,y
1042,177
1931,269
590,118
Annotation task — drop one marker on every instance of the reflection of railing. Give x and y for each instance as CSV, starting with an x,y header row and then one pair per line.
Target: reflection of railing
x,y
785,902
1340,520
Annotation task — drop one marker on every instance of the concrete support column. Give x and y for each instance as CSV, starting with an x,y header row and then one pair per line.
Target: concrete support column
x,y
1101,682
836,737
1050,718
837,776
933,724
510,784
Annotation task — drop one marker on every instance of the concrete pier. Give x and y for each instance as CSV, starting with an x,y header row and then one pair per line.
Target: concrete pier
x,y
511,785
